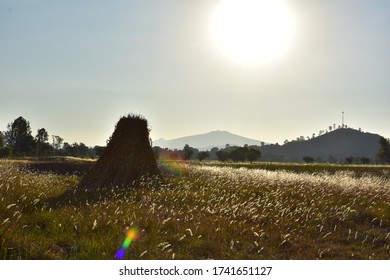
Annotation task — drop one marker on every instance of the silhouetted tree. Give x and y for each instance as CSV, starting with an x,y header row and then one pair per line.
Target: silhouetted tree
x,y
383,154
308,159
187,151
42,136
57,142
68,149
99,150
252,154
194,154
43,148
238,154
18,136
81,150
213,153
349,160
1,140
5,151
78,150
222,155
203,155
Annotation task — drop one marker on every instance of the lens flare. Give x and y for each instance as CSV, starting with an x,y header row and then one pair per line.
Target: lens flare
x,y
172,163
120,254
131,236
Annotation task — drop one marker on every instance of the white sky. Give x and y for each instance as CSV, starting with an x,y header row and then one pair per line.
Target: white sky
x,y
75,67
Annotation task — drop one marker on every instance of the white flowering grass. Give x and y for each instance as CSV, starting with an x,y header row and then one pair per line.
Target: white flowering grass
x,y
205,212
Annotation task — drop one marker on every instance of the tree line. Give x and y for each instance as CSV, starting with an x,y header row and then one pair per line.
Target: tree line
x,y
383,155
18,141
229,153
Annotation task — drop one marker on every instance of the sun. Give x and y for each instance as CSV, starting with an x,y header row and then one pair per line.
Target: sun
x,y
252,31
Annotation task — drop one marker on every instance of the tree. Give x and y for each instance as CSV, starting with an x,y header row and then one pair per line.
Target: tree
x,y
78,150
1,140
349,160
5,151
238,154
308,159
18,136
252,155
81,149
222,155
365,160
68,150
42,136
99,150
43,148
203,155
383,154
213,153
57,142
187,151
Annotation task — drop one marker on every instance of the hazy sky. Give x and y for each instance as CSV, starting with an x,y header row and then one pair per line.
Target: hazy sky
x,y
74,67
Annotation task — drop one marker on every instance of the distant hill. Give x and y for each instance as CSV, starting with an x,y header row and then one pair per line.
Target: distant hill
x,y
207,141
333,146
330,147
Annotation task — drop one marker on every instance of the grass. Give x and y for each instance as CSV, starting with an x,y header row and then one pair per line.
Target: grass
x,y
205,211
358,169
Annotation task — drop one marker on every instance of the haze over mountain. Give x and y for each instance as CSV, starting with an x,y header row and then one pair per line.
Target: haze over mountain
x,y
333,146
207,141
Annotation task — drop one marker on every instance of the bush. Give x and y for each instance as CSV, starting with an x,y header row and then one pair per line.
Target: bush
x,y
308,159
5,152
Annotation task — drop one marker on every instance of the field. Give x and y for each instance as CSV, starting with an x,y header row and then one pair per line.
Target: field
x,y
198,211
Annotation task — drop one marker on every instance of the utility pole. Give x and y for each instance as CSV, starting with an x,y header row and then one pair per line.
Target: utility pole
x,y
342,120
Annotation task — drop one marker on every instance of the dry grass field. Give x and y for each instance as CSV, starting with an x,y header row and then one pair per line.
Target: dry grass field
x,y
199,211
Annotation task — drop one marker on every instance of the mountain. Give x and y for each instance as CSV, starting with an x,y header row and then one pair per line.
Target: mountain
x,y
330,147
333,146
207,141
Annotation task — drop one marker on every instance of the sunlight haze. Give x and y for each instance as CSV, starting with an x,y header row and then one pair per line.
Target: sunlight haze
x,y
76,67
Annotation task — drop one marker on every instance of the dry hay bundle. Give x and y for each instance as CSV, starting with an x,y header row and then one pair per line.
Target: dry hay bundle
x,y
127,158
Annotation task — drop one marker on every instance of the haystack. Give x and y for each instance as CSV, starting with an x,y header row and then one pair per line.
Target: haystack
x,y
127,158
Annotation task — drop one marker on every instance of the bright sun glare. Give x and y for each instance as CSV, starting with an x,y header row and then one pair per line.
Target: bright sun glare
x,y
252,31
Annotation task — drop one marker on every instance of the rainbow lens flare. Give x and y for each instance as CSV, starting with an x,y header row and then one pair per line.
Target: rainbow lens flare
x,y
131,236
172,163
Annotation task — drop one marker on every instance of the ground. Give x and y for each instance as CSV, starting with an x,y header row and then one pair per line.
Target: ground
x,y
205,210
